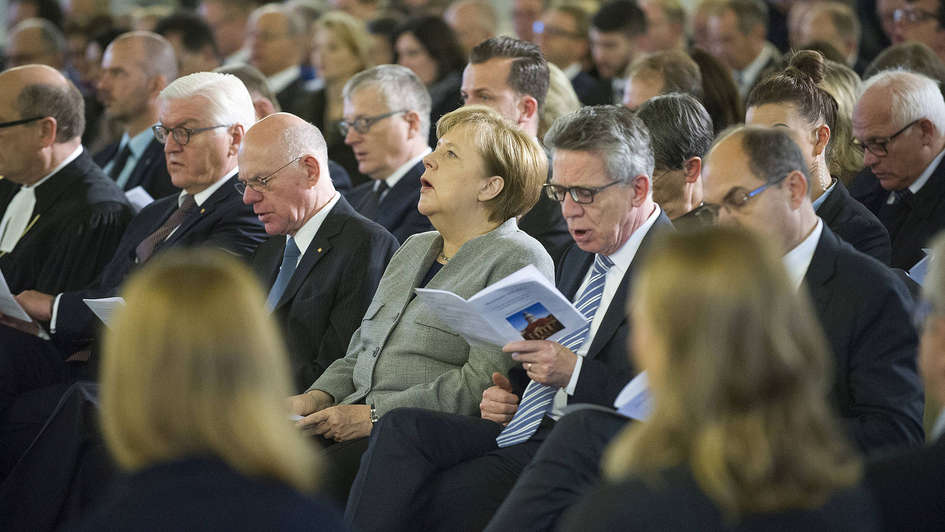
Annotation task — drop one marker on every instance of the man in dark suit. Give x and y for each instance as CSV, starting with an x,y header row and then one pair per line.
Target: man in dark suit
x,y
325,260
737,32
562,36
386,123
864,315
136,67
511,76
904,183
60,217
908,487
275,37
453,471
201,144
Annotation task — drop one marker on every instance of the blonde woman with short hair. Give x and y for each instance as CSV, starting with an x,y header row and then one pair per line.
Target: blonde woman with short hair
x,y
193,382
741,436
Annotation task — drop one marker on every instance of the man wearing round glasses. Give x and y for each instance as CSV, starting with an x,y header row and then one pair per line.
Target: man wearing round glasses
x,y
386,123
899,122
757,178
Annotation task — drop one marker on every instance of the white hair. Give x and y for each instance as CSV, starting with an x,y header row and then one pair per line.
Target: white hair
x,y
398,86
912,96
227,100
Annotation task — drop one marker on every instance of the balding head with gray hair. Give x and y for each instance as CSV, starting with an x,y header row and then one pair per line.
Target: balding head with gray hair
x,y
611,131
398,86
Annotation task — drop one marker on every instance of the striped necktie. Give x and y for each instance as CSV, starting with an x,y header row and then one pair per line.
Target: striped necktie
x,y
537,399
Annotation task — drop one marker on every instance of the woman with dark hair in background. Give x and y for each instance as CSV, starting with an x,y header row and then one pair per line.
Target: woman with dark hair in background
x,y
428,46
719,92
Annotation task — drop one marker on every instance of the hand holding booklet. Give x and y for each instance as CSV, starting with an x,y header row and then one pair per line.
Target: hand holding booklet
x,y
524,305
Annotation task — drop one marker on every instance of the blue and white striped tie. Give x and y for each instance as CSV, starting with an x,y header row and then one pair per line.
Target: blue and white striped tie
x,y
537,399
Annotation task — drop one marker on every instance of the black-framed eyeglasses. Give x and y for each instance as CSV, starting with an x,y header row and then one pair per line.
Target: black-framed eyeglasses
x,y
181,134
582,195
261,184
912,15
12,123
878,147
363,124
738,197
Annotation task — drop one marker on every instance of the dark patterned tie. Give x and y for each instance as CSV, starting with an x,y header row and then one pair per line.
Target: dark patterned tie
x,y
146,248
118,164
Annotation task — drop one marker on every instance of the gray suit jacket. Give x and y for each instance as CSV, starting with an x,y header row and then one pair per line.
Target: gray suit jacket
x,y
402,355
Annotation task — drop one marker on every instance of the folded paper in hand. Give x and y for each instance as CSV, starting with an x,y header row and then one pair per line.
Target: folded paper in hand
x,y
105,308
9,306
523,305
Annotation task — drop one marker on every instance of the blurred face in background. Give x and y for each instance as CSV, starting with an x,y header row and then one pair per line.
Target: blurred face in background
x,y
412,54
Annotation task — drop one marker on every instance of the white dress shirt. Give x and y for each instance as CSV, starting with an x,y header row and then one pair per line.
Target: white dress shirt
x,y
304,236
797,261
917,185
400,172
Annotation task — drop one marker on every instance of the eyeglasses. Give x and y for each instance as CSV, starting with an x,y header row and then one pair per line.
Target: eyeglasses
x,y
878,146
738,197
912,15
21,121
181,134
260,184
582,195
363,124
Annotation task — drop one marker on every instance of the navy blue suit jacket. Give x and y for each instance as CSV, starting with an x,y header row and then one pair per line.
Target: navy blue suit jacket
x,y
865,311
150,171
397,210
909,488
916,226
855,224
606,368
330,290
223,221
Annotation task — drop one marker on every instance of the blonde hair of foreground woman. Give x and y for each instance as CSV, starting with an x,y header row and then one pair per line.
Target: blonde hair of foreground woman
x,y
193,365
739,372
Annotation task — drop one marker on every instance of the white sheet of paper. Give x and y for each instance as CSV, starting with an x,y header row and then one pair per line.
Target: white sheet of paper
x,y
634,400
921,268
105,308
139,198
8,304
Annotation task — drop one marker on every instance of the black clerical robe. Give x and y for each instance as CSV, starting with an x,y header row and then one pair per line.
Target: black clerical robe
x,y
79,216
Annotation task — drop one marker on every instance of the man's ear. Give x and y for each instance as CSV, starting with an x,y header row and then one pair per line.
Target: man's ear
x,y
313,169
48,129
490,188
413,123
692,169
237,132
641,189
797,185
821,138
527,108
928,131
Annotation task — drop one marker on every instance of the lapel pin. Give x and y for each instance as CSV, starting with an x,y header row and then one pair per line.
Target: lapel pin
x,y
203,211
319,250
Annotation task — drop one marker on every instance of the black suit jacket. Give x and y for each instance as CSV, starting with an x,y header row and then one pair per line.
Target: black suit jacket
x,y
606,367
313,110
397,210
909,488
223,221
150,171
79,216
330,290
864,309
294,97
674,501
918,225
590,90
855,224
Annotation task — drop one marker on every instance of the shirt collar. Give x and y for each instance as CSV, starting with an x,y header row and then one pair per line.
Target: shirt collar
x,y
823,197
283,79
205,194
304,236
623,257
748,74
392,179
917,185
72,156
798,259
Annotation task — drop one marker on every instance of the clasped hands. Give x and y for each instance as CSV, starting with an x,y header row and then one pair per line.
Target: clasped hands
x,y
545,362
339,422
38,305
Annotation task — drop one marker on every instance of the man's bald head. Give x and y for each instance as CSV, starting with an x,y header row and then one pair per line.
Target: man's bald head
x,y
36,41
155,53
41,91
293,137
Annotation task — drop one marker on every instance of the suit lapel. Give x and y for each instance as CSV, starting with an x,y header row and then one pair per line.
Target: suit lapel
x,y
822,268
391,208
49,192
219,196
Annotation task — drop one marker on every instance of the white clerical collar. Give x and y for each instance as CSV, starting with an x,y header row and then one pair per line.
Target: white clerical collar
x,y
623,257
798,259
205,194
283,79
72,156
304,236
402,170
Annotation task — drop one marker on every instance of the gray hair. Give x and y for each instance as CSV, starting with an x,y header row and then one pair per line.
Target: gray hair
x,y
771,152
912,96
612,132
680,129
295,25
62,102
227,100
398,86
51,36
